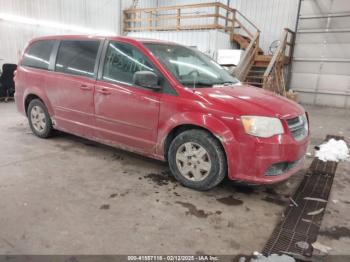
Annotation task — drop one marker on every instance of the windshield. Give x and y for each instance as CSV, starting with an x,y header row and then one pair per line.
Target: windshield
x,y
190,67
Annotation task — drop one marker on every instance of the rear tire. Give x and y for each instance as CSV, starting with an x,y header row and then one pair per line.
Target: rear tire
x,y
197,159
39,119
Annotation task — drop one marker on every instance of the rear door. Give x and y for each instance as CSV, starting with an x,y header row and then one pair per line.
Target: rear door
x,y
126,114
70,88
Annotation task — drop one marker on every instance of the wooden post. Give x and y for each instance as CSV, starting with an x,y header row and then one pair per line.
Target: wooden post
x,y
233,20
125,24
178,25
140,17
150,20
216,20
227,16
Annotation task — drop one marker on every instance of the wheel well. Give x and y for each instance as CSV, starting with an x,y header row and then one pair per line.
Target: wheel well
x,y
179,129
28,99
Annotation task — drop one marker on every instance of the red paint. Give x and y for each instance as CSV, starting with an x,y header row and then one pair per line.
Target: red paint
x,y
139,120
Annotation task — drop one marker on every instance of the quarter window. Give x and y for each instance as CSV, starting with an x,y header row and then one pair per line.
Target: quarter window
x,y
38,54
77,57
122,61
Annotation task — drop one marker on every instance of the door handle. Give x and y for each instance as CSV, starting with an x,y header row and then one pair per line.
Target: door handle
x,y
85,87
104,91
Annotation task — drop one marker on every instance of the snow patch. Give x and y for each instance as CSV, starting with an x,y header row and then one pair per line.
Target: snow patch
x,y
272,258
333,150
321,247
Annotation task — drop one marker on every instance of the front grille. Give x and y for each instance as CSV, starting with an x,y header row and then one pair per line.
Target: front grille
x,y
298,126
282,167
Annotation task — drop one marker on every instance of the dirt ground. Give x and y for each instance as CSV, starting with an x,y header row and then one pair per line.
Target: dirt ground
x,y
67,195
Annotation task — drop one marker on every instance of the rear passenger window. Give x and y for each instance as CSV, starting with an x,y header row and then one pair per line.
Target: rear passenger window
x,y
38,54
122,61
77,57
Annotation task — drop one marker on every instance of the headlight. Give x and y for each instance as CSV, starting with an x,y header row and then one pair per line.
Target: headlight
x,y
262,126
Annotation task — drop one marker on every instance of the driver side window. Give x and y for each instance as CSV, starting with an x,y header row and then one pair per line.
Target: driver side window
x,y
122,61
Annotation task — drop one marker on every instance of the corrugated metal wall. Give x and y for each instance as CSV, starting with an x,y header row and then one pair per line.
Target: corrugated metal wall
x,y
73,16
321,64
270,16
207,41
105,15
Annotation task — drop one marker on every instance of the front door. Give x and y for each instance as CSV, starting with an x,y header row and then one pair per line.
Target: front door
x,y
126,114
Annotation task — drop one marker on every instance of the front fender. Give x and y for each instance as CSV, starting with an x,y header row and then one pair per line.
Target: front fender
x,y
206,121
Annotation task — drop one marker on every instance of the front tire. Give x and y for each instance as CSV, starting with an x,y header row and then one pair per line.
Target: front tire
x,y
197,159
39,119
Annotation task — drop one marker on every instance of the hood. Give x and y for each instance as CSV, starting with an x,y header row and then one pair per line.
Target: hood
x,y
248,100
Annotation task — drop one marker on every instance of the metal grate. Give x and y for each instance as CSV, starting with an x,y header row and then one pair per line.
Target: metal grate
x,y
282,167
298,127
298,226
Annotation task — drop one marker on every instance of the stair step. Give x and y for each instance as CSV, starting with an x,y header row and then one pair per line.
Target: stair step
x,y
253,83
244,42
258,64
260,72
255,77
257,68
263,58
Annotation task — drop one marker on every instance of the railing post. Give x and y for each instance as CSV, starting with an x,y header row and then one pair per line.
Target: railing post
x,y
150,20
138,15
217,11
233,21
178,25
125,23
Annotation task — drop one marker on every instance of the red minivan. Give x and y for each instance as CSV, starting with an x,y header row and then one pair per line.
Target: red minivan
x,y
162,100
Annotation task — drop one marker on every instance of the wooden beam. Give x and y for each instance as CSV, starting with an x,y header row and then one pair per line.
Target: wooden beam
x,y
216,19
174,7
167,17
182,27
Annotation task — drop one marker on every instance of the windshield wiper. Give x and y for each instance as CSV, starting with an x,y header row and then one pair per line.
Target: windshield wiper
x,y
198,83
228,83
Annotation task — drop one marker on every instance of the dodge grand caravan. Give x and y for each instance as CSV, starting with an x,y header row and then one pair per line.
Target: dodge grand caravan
x,y
164,101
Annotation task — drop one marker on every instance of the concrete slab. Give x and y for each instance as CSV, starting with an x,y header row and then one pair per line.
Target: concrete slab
x,y
67,195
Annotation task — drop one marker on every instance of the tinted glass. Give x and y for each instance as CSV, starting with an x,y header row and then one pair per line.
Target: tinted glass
x,y
191,67
38,54
122,61
77,57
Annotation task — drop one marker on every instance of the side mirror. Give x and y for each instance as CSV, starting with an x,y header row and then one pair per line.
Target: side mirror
x,y
146,79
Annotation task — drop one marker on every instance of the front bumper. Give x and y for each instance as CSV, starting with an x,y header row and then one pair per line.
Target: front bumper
x,y
254,157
